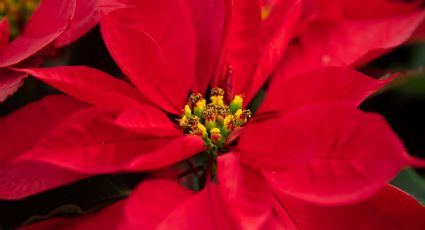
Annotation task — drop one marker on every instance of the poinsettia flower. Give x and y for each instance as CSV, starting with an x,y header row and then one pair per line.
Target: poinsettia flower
x,y
313,132
165,80
312,34
318,149
346,33
116,146
160,204
53,24
181,209
244,201
246,196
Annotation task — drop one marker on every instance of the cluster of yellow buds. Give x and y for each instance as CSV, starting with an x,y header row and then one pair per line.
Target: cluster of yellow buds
x,y
17,13
213,121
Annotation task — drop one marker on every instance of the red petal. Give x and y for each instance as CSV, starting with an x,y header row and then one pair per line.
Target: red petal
x,y
356,154
203,211
168,151
87,14
346,42
273,145
90,142
20,132
328,9
90,85
240,200
154,44
277,31
147,206
419,35
208,22
389,209
243,43
322,85
147,120
45,25
416,162
162,204
10,82
4,32
152,202
247,196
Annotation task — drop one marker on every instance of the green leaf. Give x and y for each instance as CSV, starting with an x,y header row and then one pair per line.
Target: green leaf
x,y
411,182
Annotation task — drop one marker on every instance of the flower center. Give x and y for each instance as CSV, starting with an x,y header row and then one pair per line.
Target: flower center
x,y
17,13
214,120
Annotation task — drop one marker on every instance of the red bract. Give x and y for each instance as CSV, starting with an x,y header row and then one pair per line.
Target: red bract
x,y
54,23
161,65
308,145
20,132
348,33
163,205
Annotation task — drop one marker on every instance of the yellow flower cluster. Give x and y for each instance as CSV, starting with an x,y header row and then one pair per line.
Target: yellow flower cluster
x,y
213,121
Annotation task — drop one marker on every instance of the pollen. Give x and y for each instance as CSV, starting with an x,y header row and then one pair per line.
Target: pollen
x,y
192,121
215,135
217,92
213,120
187,111
194,97
236,103
265,12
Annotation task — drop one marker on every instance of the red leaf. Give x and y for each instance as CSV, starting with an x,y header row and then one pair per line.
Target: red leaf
x,y
90,142
277,31
152,202
147,120
389,209
87,14
89,85
10,82
356,154
168,151
328,9
273,145
45,25
22,130
4,32
419,34
154,44
346,42
208,22
240,200
243,42
326,84
147,206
